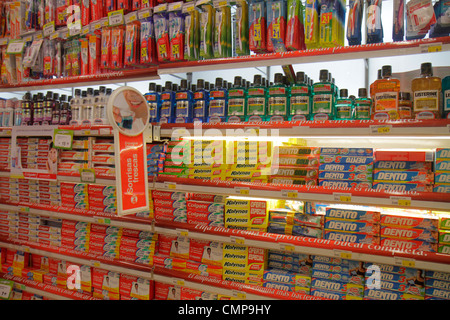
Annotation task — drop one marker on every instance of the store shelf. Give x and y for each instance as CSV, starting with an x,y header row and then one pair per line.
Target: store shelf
x,y
87,80
341,128
313,55
43,293
359,196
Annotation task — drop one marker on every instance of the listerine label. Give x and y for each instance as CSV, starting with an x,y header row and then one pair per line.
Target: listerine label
x,y
256,105
299,105
217,107
344,109
322,88
277,90
235,93
255,91
153,107
236,106
299,90
362,110
447,100
322,103
166,109
426,100
386,101
277,105
181,108
199,108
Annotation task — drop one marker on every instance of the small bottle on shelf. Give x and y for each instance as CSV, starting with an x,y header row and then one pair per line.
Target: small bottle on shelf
x,y
152,98
236,101
38,109
167,111
323,98
64,116
404,105
183,103
218,103
201,101
47,110
344,106
257,100
87,107
385,96
300,99
55,109
426,92
278,100
75,107
363,106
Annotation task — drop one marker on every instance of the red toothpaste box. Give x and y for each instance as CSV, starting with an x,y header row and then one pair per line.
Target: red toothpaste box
x,y
135,287
105,294
401,244
105,280
423,221
165,291
166,195
100,228
400,155
164,243
209,252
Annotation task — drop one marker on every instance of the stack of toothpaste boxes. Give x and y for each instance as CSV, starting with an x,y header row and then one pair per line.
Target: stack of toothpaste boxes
x,y
137,246
346,167
74,195
102,157
105,284
71,161
288,271
444,233
246,214
337,278
34,152
398,170
297,165
289,218
5,154
104,240
409,230
102,198
206,209
442,170
388,282
356,224
169,206
437,285
75,235
155,158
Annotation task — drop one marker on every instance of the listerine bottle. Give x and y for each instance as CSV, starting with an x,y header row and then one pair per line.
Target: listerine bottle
x,y
38,109
344,106
201,101
323,98
236,101
184,104
278,99
446,97
167,112
404,105
385,96
426,92
257,100
152,98
363,106
300,102
47,108
218,102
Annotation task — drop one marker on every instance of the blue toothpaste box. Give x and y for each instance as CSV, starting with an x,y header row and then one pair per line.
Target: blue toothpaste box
x,y
352,226
442,153
402,165
402,186
403,176
439,275
346,159
345,184
352,176
329,285
442,178
353,215
380,294
351,237
444,188
347,151
346,167
437,293
442,165
438,284
333,295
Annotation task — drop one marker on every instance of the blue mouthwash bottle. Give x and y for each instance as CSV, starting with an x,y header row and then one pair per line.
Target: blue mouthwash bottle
x,y
218,103
278,101
446,96
300,101
201,101
184,103
237,95
323,98
363,106
344,106
257,100
152,98
167,98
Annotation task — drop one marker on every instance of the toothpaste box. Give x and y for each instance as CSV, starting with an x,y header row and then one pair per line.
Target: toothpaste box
x,y
403,176
408,244
410,234
442,178
166,195
279,286
437,293
202,206
206,197
442,165
295,181
406,288
438,275
173,204
73,188
286,277
353,214
208,252
295,150
100,190
345,184
240,212
402,187
105,229
330,285
442,153
289,229
438,284
205,216
352,226
357,160
171,212
352,176
444,236
295,171
345,167
444,188
347,151
249,258
380,294
443,248
332,295
404,165
329,267
351,237
409,220
401,155
242,276
299,161
164,291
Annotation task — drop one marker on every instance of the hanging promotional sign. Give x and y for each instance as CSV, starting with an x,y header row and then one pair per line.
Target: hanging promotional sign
x,y
129,115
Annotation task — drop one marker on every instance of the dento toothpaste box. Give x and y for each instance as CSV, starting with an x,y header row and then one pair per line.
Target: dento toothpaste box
x,y
443,188
294,160
438,284
403,176
275,179
345,167
338,184
293,171
352,226
404,165
357,160
332,295
295,150
286,277
402,187
442,178
410,220
352,176
442,165
335,268
379,294
329,285
408,244
351,214
437,293
410,234
346,151
351,237
442,153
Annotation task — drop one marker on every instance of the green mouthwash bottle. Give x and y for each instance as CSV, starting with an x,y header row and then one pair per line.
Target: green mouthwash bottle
x,y
278,102
323,98
363,106
237,101
257,100
300,101
344,106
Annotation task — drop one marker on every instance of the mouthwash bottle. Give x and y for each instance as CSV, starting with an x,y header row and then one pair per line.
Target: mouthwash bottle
x,y
218,103
152,98
201,101
27,110
87,108
38,109
56,113
446,94
404,105
75,107
300,100
385,96
278,101
237,101
64,112
47,109
323,98
167,98
426,94
362,106
257,100
184,104
344,106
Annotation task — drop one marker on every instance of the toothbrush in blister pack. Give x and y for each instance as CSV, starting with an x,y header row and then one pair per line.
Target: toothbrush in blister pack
x,y
374,27
161,36
176,36
257,26
354,22
131,44
147,42
419,18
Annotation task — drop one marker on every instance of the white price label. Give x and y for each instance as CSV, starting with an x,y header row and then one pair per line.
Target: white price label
x,y
242,190
343,254
48,29
4,41
170,185
287,247
132,16
15,47
178,282
5,291
380,129
87,175
182,232
144,13
401,201
63,141
239,294
289,194
237,240
342,197
115,18
405,262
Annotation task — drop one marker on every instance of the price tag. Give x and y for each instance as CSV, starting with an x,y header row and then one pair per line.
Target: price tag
x,y
287,247
182,232
95,263
289,194
102,220
23,209
54,36
237,240
170,185
342,197
5,288
342,254
132,16
380,129
401,201
48,29
242,190
239,294
4,41
15,47
175,6
74,28
160,8
115,18
432,47
62,139
178,282
85,30
144,13
405,262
